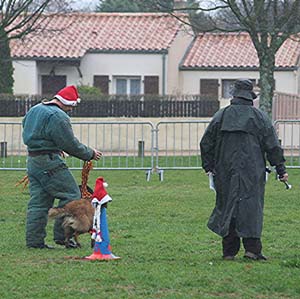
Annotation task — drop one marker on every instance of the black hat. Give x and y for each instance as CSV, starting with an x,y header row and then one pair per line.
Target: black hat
x,y
243,88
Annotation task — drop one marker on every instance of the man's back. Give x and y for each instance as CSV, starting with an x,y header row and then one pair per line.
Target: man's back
x,y
37,125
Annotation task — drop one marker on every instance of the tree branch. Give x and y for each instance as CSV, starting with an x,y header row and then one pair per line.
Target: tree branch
x,y
17,21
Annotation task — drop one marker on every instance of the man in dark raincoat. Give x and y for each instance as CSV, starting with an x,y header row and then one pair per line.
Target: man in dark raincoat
x,y
234,149
47,132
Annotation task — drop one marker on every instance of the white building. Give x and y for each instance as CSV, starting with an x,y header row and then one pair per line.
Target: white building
x,y
121,53
215,60
141,53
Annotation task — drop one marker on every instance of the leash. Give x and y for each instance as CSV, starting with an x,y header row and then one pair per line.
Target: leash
x,y
84,189
24,180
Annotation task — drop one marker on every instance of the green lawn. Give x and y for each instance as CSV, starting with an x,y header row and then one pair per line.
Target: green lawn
x,y
159,230
109,161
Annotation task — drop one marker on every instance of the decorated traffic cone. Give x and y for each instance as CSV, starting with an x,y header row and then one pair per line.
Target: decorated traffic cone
x,y
100,233
102,249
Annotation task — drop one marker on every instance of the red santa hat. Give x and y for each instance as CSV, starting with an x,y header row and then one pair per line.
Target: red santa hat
x,y
68,96
99,191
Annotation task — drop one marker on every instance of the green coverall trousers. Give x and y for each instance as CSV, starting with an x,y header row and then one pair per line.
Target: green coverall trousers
x,y
49,179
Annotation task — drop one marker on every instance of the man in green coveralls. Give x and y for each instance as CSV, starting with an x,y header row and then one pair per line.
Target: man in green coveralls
x,y
234,150
47,132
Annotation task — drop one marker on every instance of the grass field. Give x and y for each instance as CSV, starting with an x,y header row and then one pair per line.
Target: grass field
x,y
113,161
159,230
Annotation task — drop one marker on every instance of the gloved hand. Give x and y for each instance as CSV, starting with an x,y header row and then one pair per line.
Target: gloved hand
x,y
210,172
97,155
284,177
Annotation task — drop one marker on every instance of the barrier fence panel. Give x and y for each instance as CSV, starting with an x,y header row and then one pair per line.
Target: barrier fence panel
x,y
140,145
288,132
285,106
12,150
177,144
125,145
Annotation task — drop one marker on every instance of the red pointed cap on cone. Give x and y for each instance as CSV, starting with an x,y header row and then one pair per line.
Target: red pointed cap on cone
x,y
100,192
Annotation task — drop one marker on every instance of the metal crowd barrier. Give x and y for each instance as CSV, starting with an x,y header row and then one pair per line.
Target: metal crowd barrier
x,y
125,145
134,145
12,149
177,145
288,132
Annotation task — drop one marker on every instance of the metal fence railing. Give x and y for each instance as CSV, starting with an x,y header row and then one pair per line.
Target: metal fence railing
x,y
12,149
133,145
285,106
288,132
125,144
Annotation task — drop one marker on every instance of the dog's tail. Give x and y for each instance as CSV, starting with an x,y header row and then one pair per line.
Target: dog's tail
x,y
57,212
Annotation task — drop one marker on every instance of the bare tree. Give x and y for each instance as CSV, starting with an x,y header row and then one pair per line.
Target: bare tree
x,y
54,6
269,23
17,19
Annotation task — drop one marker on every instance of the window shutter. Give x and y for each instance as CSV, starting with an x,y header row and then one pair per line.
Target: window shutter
x,y
52,84
102,82
151,85
209,87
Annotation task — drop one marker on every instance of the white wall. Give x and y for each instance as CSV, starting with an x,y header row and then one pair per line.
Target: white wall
x,y
120,65
25,77
176,53
28,75
71,72
286,81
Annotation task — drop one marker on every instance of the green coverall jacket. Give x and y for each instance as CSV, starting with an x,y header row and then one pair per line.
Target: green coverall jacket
x,y
47,127
235,147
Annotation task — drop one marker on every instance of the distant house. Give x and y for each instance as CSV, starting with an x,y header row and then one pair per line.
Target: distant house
x,y
214,60
120,53
141,53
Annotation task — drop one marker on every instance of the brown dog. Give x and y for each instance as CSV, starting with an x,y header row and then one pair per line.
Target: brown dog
x,y
78,214
78,218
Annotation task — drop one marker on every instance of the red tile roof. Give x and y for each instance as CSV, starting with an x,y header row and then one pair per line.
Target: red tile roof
x,y
234,50
70,36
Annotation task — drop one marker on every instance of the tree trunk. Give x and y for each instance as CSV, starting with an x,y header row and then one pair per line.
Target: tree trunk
x,y
266,82
6,67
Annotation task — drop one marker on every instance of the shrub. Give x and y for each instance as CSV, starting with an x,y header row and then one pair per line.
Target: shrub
x,y
85,90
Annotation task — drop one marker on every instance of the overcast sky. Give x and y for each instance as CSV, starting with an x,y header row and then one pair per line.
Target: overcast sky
x,y
79,4
91,4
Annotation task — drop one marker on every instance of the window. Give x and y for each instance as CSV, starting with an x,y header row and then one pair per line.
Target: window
x,y
52,84
128,85
135,86
227,86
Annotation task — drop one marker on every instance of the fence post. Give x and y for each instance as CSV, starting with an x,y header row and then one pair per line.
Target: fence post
x,y
3,149
141,148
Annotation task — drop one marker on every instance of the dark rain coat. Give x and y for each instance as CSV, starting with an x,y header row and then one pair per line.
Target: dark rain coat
x,y
235,147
